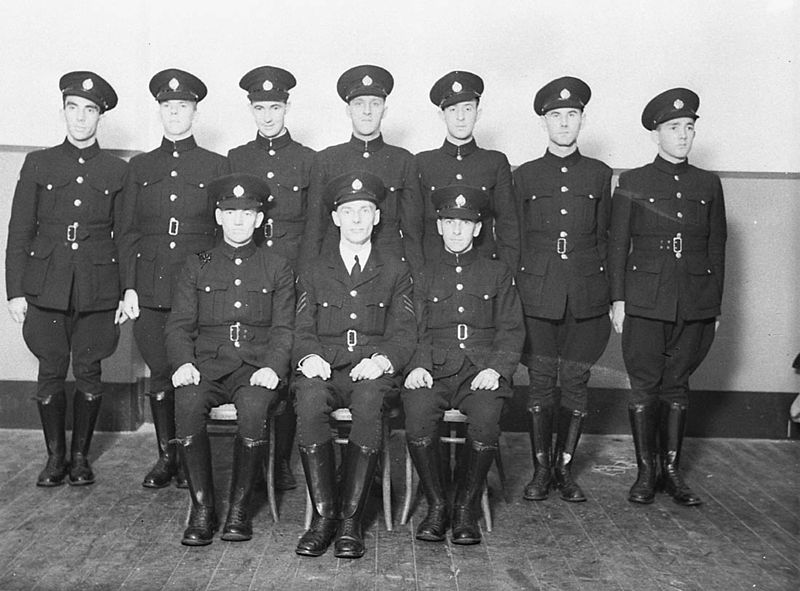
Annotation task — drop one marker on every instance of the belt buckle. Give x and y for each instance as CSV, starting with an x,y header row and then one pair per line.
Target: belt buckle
x,y
462,332
72,232
352,339
233,333
268,229
173,227
561,246
677,244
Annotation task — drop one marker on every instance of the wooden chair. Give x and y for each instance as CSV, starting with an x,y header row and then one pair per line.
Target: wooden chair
x,y
452,417
226,413
339,421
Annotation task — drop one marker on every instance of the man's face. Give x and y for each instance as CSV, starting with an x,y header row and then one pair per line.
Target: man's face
x,y
458,234
563,126
269,117
366,113
674,138
460,119
82,117
356,219
238,225
177,117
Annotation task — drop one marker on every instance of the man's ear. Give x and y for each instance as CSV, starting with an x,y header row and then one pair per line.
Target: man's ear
x,y
477,229
259,218
218,216
439,226
335,218
377,217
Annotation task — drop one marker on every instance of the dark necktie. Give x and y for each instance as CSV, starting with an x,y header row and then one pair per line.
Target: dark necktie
x,y
355,272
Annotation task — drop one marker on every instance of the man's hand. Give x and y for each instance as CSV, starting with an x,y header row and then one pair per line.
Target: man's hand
x,y
266,378
315,366
186,375
119,315
418,378
487,379
367,369
130,304
618,315
18,308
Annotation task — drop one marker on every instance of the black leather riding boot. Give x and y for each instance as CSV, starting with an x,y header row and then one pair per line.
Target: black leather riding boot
x,y
360,468
85,408
248,459
195,451
643,418
469,488
285,427
541,433
52,413
319,466
570,425
162,407
673,424
427,460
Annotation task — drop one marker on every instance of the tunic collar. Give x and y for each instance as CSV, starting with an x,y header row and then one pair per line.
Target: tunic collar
x,y
366,147
180,146
465,258
77,153
277,143
555,160
241,252
670,167
463,150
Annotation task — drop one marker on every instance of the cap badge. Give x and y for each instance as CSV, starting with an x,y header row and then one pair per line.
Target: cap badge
x,y
87,84
565,94
357,185
366,80
460,201
238,191
173,83
457,86
678,104
267,85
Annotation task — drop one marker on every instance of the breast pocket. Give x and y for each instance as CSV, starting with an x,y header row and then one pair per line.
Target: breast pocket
x,y
642,280
330,317
479,302
212,299
395,191
652,212
102,203
288,200
538,211
586,211
50,188
192,198
259,301
440,309
697,208
375,308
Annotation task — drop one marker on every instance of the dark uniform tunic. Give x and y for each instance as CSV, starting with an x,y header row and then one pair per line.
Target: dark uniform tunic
x,y
565,208
286,166
667,263
471,320
477,167
63,259
167,216
400,230
344,321
233,313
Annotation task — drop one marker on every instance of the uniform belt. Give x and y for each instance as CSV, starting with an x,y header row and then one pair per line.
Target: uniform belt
x,y
351,339
235,333
295,226
75,231
564,244
174,226
676,244
461,333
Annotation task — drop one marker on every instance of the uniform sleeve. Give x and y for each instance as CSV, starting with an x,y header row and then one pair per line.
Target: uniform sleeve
x,y
400,334
316,215
305,322
21,227
604,216
509,329
181,328
506,220
278,354
619,239
718,234
423,351
129,235
412,214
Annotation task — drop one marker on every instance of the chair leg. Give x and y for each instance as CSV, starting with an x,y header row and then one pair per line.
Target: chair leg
x,y
408,497
387,478
273,505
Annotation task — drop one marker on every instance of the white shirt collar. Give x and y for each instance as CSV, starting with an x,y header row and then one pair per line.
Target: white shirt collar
x,y
348,250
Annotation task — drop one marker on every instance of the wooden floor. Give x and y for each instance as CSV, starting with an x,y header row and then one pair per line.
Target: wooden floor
x,y
118,535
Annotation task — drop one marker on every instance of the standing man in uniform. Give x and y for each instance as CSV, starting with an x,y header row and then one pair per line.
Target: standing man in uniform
x,y
470,339
229,336
286,164
354,333
364,89
564,200
168,215
62,277
459,161
667,269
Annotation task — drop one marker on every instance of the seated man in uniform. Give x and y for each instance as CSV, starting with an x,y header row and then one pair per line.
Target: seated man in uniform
x,y
229,335
470,340
354,332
